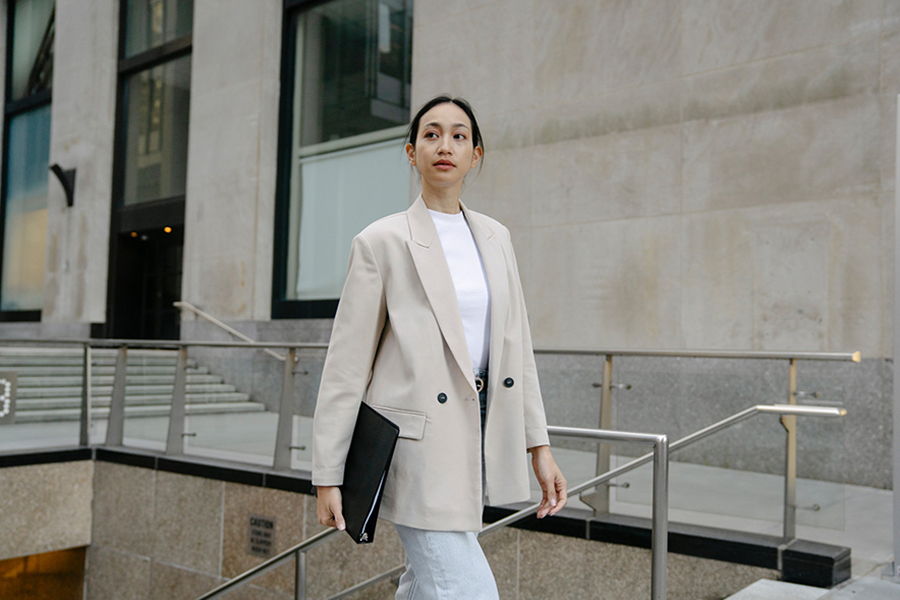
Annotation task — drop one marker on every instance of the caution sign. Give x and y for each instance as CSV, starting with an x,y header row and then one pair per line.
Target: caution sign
x,y
261,537
8,381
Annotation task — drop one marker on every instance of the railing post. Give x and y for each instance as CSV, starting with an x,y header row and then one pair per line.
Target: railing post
x,y
175,438
789,422
660,544
599,498
84,433
285,430
300,576
115,425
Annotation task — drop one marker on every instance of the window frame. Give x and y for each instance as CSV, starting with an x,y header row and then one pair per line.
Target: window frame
x,y
11,110
143,215
283,308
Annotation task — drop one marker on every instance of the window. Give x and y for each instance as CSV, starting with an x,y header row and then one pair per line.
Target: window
x,y
155,72
345,108
26,156
150,169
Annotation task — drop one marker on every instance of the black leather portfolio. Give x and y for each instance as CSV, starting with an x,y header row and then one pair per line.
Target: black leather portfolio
x,y
365,471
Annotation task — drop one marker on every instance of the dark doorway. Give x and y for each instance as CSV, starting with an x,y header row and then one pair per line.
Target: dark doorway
x,y
148,267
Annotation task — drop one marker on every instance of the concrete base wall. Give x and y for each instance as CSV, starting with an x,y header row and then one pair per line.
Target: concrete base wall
x,y
164,536
45,508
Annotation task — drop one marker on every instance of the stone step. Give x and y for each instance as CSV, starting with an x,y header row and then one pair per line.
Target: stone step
x,y
42,416
75,401
130,380
44,371
767,589
135,390
166,400
7,362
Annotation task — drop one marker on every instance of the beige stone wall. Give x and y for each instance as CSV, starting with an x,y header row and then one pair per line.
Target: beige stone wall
x,y
684,173
45,508
159,535
82,137
230,203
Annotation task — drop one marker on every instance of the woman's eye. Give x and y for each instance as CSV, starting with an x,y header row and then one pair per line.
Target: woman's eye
x,y
460,136
430,135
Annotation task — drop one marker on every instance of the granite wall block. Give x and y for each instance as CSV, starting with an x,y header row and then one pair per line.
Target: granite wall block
x,y
124,498
45,507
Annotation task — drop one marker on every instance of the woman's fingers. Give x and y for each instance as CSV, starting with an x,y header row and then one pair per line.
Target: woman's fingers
x,y
562,495
329,507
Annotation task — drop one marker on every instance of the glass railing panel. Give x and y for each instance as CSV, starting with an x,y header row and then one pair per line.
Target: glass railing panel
x,y
232,401
148,394
734,478
306,388
41,408
571,388
821,464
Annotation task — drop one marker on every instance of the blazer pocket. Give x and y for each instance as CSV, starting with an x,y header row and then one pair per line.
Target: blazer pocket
x,y
411,423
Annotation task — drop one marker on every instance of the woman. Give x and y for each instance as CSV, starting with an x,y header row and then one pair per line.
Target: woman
x,y
431,329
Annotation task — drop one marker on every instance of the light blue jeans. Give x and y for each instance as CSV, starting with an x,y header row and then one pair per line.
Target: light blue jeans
x,y
447,565
444,565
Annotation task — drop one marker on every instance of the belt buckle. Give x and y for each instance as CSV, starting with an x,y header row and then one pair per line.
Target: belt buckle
x,y
479,384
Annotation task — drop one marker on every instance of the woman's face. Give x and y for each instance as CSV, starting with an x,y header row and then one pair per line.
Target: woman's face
x,y
444,151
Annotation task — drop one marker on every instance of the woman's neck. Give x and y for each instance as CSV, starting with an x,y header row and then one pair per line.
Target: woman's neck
x,y
445,200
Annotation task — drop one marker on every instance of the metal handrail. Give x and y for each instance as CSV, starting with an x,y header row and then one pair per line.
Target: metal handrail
x,y
272,563
228,328
674,353
781,409
157,344
659,456
173,344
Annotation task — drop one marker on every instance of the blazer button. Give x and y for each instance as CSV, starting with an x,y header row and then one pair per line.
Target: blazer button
x,y
508,382
442,397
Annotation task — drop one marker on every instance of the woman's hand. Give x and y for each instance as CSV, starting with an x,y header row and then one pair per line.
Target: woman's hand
x,y
329,505
551,479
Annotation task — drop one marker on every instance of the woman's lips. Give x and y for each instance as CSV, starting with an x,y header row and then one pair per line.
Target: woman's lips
x,y
443,165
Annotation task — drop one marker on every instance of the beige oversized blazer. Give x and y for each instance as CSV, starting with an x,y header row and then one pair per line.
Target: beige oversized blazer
x,y
398,343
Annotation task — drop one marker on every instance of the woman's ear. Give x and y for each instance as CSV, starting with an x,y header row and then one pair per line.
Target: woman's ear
x,y
476,155
411,154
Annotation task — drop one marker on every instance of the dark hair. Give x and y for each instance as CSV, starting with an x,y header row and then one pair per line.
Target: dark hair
x,y
413,130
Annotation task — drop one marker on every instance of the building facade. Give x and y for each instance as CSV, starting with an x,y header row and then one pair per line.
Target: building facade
x,y
675,173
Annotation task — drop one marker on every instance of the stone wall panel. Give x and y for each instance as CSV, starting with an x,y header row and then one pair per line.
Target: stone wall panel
x,y
720,33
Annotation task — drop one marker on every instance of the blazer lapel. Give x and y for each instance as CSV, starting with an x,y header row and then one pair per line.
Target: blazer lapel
x,y
495,265
431,266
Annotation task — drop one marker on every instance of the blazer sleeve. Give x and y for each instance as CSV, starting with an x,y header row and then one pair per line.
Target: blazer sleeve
x,y
358,325
535,418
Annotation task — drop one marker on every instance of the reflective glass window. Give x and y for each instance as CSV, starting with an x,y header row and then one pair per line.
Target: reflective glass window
x,y
356,65
32,47
351,108
157,103
152,23
25,211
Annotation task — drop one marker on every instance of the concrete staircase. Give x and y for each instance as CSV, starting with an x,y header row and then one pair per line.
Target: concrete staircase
x,y
50,385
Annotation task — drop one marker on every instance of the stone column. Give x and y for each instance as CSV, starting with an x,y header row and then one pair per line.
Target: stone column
x,y
82,134
230,204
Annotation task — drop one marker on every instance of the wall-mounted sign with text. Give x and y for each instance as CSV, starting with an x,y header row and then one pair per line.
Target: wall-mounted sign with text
x,y
261,536
8,381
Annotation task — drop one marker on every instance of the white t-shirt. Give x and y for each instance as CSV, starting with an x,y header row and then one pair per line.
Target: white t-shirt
x,y
470,280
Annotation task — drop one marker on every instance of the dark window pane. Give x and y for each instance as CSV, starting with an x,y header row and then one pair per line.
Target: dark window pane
x,y
157,103
151,23
355,73
32,51
348,166
25,211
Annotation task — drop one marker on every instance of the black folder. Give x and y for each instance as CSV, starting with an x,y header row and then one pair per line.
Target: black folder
x,y
365,471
